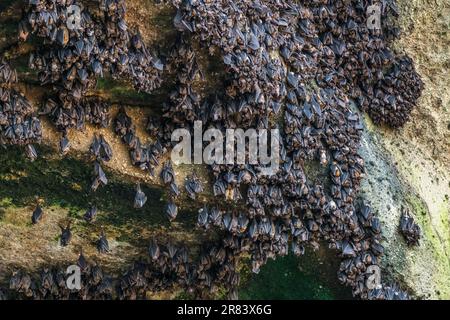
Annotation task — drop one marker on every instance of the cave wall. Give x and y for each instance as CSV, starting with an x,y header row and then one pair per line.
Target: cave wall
x,y
410,167
405,167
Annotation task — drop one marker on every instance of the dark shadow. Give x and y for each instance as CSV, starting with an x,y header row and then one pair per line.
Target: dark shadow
x,y
312,276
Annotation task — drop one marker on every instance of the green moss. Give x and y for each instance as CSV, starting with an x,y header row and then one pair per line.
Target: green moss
x,y
444,213
423,219
65,183
5,202
437,245
294,278
184,296
122,92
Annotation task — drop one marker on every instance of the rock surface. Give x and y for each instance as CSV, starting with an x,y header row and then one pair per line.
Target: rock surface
x,y
411,166
408,167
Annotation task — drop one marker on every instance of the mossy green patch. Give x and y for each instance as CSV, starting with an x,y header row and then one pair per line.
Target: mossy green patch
x,y
65,183
5,202
423,219
121,91
436,244
444,213
294,278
